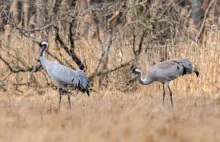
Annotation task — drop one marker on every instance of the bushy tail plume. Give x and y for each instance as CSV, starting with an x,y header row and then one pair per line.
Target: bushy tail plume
x,y
197,73
87,91
187,66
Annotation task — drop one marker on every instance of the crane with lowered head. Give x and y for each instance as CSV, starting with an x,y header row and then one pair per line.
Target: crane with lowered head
x,y
165,72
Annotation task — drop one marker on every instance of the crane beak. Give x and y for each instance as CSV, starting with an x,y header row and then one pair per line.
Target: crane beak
x,y
129,72
40,44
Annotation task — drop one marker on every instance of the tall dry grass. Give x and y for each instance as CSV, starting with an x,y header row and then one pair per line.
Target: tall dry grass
x,y
205,58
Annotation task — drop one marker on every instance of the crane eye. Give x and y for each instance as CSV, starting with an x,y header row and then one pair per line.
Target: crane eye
x,y
134,70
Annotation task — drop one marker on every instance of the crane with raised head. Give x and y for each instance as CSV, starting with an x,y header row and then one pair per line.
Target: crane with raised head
x,y
63,76
165,72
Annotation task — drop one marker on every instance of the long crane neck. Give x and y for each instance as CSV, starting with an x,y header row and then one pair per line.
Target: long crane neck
x,y
145,81
43,50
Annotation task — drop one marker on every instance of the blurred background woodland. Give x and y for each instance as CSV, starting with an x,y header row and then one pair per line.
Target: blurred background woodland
x,y
105,38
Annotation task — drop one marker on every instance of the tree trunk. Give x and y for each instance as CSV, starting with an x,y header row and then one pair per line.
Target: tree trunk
x,y
1,23
205,4
40,16
15,11
64,26
40,13
26,12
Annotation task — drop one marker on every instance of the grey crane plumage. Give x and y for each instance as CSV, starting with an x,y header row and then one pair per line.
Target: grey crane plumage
x,y
62,75
165,72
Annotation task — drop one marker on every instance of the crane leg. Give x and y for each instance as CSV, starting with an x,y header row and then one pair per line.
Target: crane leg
x,y
69,100
163,93
60,96
170,95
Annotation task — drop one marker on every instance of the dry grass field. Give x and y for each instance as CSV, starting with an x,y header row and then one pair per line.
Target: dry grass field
x,y
110,116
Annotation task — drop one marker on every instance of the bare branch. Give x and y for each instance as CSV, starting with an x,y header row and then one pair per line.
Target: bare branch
x,y
71,53
96,33
35,69
203,22
109,39
6,76
105,72
25,33
18,69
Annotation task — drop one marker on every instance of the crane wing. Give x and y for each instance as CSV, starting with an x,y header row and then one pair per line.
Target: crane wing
x,y
62,75
168,70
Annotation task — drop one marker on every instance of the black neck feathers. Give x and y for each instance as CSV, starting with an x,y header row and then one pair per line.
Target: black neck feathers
x,y
43,50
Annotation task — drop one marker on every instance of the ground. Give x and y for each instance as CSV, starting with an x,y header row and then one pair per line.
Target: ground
x,y
110,116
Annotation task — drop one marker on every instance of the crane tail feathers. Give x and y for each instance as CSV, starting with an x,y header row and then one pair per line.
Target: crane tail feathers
x,y
87,91
184,70
197,73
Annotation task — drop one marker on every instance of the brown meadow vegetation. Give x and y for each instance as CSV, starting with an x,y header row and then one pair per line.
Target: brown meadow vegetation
x,y
119,109
110,116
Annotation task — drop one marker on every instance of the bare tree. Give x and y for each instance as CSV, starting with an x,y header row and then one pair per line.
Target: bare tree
x,y
92,34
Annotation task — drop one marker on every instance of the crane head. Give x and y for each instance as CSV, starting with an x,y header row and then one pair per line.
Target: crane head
x,y
43,43
136,70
